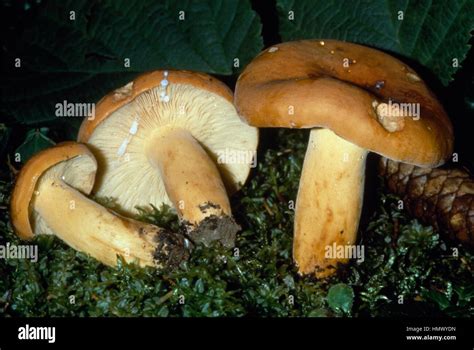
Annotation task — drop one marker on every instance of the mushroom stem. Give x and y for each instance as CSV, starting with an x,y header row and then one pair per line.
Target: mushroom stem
x,y
193,184
88,227
329,202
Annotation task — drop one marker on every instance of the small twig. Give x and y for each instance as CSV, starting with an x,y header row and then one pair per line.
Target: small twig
x,y
395,232
165,297
7,300
169,280
267,208
12,169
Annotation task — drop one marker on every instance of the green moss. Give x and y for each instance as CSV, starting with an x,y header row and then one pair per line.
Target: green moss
x,y
403,260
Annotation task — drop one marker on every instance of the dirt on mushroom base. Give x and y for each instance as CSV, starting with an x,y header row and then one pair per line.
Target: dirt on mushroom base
x,y
172,249
214,228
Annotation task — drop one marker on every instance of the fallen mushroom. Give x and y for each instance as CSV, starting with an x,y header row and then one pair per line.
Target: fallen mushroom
x,y
49,197
164,138
353,98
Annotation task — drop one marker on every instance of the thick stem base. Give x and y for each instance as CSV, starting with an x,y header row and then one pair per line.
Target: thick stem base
x,y
329,202
194,185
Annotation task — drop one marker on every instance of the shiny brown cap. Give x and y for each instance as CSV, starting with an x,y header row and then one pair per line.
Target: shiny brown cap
x,y
341,86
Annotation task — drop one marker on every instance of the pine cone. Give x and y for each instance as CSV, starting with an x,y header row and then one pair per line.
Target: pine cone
x,y
442,197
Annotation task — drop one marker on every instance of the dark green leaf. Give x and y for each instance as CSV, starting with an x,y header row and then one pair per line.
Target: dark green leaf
x,y
81,59
35,141
340,298
4,138
439,298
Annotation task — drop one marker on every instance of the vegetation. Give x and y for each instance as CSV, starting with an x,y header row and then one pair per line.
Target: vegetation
x,y
404,262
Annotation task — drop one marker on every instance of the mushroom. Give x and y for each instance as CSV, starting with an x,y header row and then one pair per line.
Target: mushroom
x,y
353,99
173,137
49,197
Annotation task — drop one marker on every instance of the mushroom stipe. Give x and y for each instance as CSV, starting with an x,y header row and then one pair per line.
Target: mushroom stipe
x,y
324,85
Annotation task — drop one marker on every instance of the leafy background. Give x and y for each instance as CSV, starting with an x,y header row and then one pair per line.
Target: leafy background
x,y
81,60
431,32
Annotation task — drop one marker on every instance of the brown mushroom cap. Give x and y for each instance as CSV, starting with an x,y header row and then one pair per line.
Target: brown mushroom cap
x,y
335,85
71,161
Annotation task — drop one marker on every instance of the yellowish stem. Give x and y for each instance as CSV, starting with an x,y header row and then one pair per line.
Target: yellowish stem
x,y
88,227
329,202
193,183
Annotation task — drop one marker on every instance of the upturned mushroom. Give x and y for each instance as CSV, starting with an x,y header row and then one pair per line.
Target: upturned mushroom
x,y
173,137
49,197
355,100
